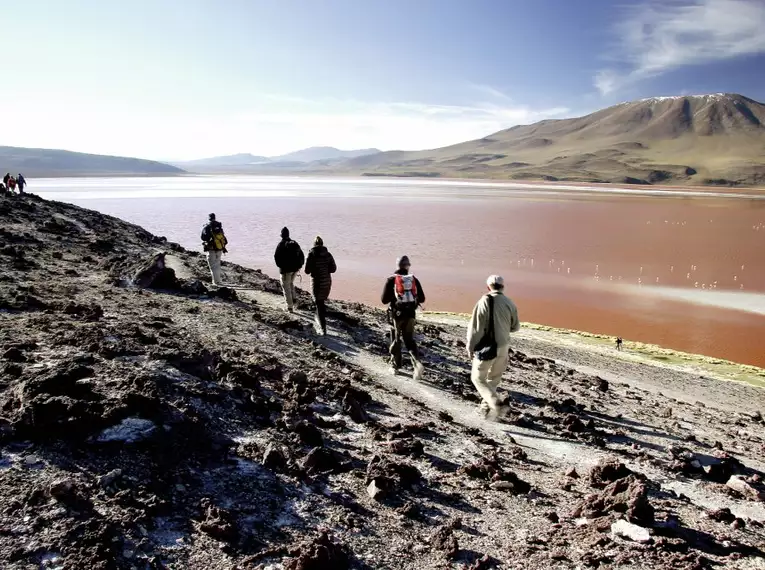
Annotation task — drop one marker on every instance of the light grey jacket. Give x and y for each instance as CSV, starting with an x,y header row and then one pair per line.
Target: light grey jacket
x,y
505,320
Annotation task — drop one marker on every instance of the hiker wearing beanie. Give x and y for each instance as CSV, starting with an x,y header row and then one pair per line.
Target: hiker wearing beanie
x,y
494,317
214,243
320,265
289,259
403,294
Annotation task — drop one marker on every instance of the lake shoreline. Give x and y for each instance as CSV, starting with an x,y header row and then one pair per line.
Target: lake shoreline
x,y
635,351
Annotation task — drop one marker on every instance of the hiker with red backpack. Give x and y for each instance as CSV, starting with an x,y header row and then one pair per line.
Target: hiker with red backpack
x,y
289,259
214,243
403,294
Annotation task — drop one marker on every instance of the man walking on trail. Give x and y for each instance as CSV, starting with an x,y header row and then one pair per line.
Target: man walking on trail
x,y
214,242
494,317
403,294
289,259
21,182
619,343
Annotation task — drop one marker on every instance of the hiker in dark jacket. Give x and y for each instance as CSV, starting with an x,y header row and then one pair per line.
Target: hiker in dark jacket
x,y
6,179
403,294
320,265
289,259
21,182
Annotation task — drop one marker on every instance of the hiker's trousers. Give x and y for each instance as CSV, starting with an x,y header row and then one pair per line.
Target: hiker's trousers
x,y
487,375
214,261
403,330
288,286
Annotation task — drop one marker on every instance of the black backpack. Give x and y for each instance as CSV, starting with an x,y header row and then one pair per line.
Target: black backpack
x,y
293,256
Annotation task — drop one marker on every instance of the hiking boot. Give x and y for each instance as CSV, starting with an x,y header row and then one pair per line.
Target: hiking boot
x,y
393,371
290,310
419,371
499,414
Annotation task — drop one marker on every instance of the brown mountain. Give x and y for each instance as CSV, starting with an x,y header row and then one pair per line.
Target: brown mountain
x,y
705,139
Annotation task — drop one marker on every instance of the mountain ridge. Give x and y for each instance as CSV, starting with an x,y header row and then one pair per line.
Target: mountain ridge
x,y
716,139
41,162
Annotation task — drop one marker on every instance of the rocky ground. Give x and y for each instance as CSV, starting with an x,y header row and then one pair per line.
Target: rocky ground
x,y
147,422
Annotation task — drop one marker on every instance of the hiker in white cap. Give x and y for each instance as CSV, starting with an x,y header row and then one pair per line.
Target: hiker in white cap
x,y
488,343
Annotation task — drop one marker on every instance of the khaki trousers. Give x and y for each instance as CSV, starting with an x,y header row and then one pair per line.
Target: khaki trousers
x,y
214,261
288,286
487,375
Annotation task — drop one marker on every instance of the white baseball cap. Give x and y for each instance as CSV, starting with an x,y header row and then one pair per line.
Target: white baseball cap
x,y
495,281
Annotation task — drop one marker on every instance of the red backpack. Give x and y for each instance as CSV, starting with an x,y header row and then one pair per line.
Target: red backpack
x,y
405,289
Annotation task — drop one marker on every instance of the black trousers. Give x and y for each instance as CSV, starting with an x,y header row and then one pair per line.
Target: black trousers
x,y
403,330
321,314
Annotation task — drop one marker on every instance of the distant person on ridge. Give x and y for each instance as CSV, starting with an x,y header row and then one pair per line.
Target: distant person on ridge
x,y
6,179
619,343
12,183
214,242
494,317
403,293
289,259
320,265
21,181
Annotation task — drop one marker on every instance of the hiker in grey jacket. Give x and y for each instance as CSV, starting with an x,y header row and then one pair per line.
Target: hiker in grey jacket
x,y
487,374
320,265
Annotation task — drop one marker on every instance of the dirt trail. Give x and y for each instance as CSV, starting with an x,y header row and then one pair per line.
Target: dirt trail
x,y
564,453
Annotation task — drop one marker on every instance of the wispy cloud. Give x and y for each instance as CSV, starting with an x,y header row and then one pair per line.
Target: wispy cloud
x,y
667,34
490,91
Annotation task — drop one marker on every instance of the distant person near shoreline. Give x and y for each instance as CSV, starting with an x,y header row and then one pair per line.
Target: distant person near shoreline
x,y
320,265
22,182
619,343
214,242
494,318
403,294
289,258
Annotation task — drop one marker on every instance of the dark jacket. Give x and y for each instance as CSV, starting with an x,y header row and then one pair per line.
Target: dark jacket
x,y
389,291
320,265
207,234
285,261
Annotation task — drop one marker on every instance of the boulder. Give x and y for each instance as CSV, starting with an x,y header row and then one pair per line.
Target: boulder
x,y
633,532
745,489
607,471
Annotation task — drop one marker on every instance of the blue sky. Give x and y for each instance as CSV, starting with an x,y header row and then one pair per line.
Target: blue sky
x,y
179,79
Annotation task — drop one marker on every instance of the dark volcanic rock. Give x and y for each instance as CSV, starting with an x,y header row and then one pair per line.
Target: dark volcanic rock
x,y
321,553
14,354
445,541
273,458
412,447
322,460
219,523
607,471
155,274
627,495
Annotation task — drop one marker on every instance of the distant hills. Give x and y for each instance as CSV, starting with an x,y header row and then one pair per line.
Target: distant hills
x,y
707,139
241,163
714,139
243,159
39,162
